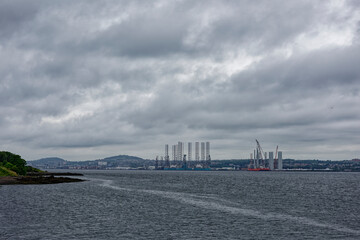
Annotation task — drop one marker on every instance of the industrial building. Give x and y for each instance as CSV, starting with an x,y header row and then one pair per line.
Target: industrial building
x,y
189,151
197,156
260,162
181,161
182,158
202,151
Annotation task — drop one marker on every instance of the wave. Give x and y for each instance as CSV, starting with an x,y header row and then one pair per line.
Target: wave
x,y
219,204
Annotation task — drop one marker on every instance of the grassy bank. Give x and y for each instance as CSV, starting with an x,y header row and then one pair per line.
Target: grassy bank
x,y
6,172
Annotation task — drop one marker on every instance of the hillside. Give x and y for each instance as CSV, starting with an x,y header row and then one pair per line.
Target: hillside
x,y
108,162
11,163
6,172
50,162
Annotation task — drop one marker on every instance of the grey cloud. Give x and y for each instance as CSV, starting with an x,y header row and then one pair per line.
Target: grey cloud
x,y
147,36
248,24
16,14
304,75
259,25
264,104
162,31
129,76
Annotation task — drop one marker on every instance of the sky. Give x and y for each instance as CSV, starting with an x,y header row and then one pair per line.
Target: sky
x,y
87,79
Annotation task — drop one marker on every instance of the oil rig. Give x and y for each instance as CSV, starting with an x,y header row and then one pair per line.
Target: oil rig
x,y
261,162
182,161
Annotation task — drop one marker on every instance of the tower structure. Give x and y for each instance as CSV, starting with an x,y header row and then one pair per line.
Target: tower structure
x,y
180,149
280,161
166,150
255,157
208,158
207,151
197,156
271,160
173,153
202,151
265,161
157,162
189,156
167,158
176,153
251,163
182,156
161,162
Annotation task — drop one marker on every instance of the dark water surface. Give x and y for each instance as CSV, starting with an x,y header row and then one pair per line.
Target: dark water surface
x,y
185,205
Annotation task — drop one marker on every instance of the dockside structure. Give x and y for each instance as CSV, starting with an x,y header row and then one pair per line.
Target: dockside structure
x,y
181,160
262,161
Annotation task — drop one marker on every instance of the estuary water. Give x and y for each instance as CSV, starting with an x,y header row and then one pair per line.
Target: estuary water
x,y
185,205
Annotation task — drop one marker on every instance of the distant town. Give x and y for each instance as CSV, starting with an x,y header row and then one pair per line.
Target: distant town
x,y
125,162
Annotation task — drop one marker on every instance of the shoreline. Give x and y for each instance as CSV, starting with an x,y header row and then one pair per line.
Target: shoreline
x,y
40,178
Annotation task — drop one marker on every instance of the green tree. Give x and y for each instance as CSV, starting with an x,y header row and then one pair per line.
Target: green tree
x,y
13,162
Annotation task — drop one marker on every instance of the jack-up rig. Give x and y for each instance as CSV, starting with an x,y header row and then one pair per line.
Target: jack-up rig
x,y
181,161
260,162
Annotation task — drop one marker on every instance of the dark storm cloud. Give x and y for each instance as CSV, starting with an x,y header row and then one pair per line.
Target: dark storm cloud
x,y
119,76
181,28
14,15
204,29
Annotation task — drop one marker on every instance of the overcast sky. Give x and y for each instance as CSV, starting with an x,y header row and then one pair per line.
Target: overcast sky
x,y
91,79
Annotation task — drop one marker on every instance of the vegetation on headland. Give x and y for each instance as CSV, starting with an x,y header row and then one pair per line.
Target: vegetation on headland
x,y
13,170
6,172
10,163
13,165
30,169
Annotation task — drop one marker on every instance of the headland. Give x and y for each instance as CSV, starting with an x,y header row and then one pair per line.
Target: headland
x,y
41,178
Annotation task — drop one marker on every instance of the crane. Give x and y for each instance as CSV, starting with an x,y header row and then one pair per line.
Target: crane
x,y
261,159
260,149
259,162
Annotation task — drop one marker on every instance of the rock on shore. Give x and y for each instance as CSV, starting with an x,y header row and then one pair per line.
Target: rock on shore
x,y
37,179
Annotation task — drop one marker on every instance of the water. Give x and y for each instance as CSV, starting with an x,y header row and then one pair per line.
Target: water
x,y
185,205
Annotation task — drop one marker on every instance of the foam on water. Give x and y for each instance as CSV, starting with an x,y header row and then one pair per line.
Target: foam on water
x,y
108,184
215,203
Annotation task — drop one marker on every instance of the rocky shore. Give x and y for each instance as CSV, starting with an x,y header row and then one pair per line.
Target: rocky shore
x,y
40,178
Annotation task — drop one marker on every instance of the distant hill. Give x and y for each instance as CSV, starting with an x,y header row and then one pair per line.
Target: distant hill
x,y
122,157
114,161
50,162
123,161
55,161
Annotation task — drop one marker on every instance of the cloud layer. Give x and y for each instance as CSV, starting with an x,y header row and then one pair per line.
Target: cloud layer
x,y
90,79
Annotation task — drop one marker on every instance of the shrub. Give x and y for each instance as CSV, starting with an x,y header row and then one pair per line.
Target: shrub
x,y
6,172
13,162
